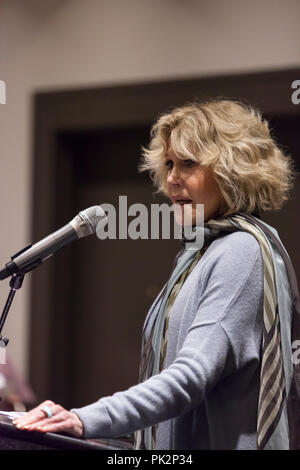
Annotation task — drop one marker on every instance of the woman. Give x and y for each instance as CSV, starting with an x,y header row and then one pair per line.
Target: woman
x,y
216,367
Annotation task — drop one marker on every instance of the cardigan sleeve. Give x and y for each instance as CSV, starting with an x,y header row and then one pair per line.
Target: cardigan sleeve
x,y
217,344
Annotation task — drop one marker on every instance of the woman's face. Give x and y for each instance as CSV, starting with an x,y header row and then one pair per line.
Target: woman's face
x,y
189,184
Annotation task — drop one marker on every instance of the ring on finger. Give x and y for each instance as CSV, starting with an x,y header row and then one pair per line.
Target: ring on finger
x,y
48,411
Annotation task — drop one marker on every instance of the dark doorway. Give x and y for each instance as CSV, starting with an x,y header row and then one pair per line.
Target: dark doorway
x,y
112,282
90,300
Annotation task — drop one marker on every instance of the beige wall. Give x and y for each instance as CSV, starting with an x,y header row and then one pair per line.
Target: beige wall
x,y
69,43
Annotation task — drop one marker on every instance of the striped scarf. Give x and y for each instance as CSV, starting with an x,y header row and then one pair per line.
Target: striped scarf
x,y
272,393
272,382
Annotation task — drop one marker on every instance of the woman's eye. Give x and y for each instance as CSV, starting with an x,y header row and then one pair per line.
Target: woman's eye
x,y
184,164
169,164
189,163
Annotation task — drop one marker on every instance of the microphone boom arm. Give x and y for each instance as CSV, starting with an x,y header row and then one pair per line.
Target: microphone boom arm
x,y
15,284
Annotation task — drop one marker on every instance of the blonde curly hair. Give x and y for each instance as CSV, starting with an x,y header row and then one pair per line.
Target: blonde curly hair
x,y
233,139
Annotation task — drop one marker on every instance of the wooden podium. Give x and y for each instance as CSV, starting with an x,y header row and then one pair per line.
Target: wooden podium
x,y
13,439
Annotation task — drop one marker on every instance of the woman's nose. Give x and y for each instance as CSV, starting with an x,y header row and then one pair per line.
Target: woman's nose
x,y
174,176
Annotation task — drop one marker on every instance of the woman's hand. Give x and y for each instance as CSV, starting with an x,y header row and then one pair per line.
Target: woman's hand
x,y
60,421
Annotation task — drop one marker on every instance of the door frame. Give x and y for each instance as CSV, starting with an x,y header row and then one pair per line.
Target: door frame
x,y
136,104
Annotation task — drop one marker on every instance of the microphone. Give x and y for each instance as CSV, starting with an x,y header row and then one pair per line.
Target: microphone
x,y
83,224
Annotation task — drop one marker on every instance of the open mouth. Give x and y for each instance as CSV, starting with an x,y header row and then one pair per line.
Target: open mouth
x,y
181,202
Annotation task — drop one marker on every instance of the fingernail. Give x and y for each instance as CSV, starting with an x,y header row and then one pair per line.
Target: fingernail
x,y
19,426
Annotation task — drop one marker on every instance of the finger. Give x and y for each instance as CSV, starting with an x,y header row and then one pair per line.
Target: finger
x,y
35,411
41,422
32,416
63,421
59,415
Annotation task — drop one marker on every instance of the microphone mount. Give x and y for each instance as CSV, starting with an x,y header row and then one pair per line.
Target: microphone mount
x,y
15,284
